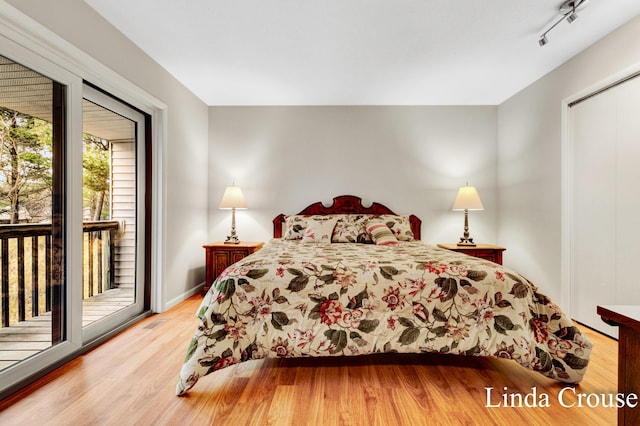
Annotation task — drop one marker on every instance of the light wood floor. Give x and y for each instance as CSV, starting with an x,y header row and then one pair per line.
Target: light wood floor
x,y
130,380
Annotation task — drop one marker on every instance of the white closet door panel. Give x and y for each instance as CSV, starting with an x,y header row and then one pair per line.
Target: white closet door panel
x,y
628,194
593,233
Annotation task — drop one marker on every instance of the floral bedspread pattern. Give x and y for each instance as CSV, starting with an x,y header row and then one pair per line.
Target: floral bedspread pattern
x,y
293,300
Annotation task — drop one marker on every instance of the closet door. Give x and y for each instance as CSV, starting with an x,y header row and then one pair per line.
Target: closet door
x,y
604,203
593,213
628,194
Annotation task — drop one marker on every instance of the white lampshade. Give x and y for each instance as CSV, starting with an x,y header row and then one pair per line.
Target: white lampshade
x,y
467,199
233,198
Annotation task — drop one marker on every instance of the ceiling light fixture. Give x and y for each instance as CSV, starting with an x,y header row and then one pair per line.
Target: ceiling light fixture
x,y
543,40
568,12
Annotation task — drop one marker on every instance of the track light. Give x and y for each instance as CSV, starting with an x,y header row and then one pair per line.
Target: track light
x,y
568,12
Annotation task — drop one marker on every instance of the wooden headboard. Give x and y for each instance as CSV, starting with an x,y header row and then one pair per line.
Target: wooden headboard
x,y
345,204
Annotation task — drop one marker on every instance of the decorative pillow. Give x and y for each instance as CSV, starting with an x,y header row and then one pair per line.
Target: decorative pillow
x,y
399,225
380,233
351,228
294,227
345,230
361,221
319,231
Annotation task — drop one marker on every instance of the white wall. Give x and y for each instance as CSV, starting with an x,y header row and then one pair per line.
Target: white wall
x,y
185,168
529,156
411,159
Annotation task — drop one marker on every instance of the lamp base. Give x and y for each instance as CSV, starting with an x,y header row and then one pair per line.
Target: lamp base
x,y
465,240
468,242
232,239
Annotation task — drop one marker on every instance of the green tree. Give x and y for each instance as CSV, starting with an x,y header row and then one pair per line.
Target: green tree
x,y
25,165
95,176
25,168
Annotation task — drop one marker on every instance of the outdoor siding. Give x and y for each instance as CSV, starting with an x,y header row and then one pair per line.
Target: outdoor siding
x,y
123,208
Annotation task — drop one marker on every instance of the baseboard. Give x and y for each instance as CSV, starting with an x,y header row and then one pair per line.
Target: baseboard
x,y
184,296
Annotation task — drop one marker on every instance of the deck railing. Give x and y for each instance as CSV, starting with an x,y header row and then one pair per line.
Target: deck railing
x,y
25,267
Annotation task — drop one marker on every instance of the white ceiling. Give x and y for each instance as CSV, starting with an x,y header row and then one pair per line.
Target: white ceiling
x,y
31,93
359,52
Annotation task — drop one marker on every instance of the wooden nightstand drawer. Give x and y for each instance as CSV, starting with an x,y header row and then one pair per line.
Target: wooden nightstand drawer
x,y
219,256
221,262
483,251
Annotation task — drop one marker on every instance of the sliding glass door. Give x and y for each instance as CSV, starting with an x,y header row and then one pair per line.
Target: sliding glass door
x,y
74,214
113,212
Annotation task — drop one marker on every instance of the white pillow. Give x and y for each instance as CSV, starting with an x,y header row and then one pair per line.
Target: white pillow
x,y
319,231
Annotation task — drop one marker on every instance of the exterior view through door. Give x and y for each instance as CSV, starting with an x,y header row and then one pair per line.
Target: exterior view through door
x,y
45,305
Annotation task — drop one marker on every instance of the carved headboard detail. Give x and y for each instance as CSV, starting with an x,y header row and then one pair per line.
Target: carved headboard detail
x,y
345,204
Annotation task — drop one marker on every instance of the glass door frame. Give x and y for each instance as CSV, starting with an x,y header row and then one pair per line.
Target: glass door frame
x,y
68,338
115,320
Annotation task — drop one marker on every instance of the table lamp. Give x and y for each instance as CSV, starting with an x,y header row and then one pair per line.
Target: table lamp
x,y
233,199
467,199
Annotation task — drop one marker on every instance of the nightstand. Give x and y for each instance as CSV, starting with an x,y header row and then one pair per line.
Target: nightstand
x,y
483,251
220,255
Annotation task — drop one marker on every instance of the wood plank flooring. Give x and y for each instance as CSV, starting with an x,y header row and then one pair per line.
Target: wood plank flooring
x,y
130,380
27,338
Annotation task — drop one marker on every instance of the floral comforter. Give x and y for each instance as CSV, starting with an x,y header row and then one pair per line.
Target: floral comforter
x,y
292,299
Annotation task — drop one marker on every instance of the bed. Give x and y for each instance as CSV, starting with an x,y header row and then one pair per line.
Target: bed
x,y
349,280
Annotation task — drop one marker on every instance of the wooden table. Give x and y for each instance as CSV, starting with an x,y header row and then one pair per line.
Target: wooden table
x,y
483,251
218,256
627,318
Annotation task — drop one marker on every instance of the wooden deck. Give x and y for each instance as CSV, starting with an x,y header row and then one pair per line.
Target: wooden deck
x,y
27,338
97,307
